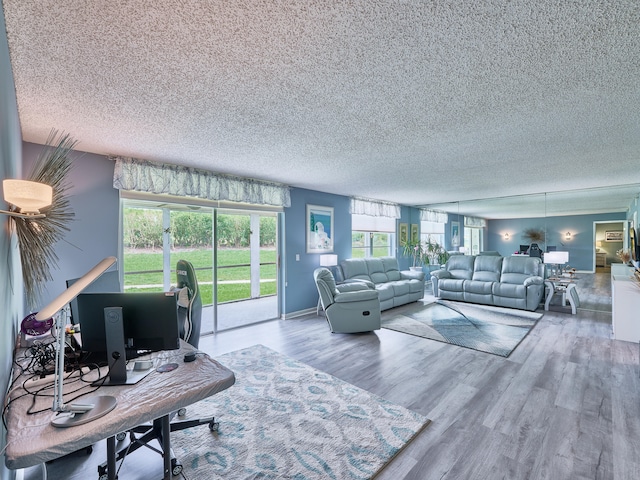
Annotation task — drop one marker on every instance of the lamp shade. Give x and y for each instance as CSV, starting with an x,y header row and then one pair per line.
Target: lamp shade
x,y
556,258
27,196
328,260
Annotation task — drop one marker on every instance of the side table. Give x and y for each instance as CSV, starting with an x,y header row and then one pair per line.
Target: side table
x,y
564,287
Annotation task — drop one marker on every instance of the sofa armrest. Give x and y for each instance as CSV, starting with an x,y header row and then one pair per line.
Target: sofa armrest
x,y
441,274
533,281
354,285
411,275
356,296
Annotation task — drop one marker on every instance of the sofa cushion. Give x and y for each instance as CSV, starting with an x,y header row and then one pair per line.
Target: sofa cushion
x,y
518,269
461,266
390,266
400,288
376,270
354,268
385,291
510,290
487,268
478,286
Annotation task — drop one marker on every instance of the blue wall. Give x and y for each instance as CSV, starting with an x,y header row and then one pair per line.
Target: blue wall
x,y
580,246
300,289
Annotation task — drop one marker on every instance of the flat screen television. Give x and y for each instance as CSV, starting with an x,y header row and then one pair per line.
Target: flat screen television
x,y
149,319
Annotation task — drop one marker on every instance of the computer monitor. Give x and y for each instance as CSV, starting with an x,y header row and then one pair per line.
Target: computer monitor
x,y
149,321
108,282
551,248
524,248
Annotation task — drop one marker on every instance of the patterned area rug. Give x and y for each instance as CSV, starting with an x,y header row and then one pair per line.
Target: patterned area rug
x,y
284,419
484,328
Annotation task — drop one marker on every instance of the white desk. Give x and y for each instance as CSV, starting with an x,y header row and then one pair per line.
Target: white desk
x,y
32,440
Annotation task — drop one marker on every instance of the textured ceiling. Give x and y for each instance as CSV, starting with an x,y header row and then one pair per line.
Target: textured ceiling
x,y
415,102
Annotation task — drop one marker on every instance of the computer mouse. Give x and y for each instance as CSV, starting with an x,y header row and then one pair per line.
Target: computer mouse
x,y
189,356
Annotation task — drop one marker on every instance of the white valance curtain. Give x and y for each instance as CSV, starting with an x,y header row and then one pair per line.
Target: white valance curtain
x,y
163,179
433,216
374,208
475,222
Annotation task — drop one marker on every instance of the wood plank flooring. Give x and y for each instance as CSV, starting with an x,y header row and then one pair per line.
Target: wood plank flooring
x,y
564,405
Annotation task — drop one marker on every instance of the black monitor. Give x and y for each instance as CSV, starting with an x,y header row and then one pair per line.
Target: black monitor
x,y
108,282
149,320
524,248
551,248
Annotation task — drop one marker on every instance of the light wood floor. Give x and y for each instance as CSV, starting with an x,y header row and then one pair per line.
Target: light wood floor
x,y
564,405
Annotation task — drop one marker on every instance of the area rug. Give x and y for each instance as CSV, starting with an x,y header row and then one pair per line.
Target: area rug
x,y
284,419
484,328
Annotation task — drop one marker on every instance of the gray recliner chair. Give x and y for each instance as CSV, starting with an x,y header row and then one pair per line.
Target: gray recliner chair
x,y
350,307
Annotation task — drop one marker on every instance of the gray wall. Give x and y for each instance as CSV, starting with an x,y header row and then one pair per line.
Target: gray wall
x,y
94,232
10,287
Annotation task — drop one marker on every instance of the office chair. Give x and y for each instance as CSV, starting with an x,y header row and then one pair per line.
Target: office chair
x,y
534,251
189,308
189,318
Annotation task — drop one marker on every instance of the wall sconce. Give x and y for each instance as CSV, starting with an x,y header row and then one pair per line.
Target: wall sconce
x,y
26,197
567,236
507,237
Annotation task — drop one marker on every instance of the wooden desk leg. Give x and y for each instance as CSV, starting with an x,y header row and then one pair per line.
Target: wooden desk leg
x,y
111,458
166,446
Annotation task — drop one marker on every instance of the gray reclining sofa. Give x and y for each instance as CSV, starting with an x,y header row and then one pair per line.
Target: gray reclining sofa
x,y
394,287
514,282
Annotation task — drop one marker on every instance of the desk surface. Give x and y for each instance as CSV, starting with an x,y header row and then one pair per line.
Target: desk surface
x,y
32,440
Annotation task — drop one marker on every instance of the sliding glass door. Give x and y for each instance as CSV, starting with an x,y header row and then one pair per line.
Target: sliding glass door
x,y
233,252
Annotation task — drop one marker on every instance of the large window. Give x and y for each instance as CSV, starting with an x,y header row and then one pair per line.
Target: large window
x,y
432,232
372,236
473,240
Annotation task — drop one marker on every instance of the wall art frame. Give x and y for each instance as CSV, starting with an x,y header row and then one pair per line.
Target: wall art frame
x,y
613,236
319,229
415,236
403,234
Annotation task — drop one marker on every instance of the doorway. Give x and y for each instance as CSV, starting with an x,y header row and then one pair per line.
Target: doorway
x,y
608,238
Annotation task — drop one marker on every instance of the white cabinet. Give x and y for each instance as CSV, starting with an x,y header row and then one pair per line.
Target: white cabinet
x,y
625,307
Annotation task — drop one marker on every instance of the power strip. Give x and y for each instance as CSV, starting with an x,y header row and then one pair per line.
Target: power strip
x,y
36,382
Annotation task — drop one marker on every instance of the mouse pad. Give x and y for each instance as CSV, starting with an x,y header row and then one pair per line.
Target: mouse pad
x,y
167,367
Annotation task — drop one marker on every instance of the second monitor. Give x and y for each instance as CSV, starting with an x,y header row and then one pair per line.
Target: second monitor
x,y
149,322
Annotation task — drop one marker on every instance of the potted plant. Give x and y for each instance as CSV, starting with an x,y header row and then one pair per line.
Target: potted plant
x,y
435,254
417,254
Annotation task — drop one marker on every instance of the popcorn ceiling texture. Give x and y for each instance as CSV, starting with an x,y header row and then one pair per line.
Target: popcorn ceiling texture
x,y
413,102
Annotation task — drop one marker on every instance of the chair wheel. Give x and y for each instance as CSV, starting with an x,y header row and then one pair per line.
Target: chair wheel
x,y
182,412
213,426
176,468
121,436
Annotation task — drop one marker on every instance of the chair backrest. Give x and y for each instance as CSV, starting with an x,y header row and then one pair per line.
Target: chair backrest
x,y
326,285
534,251
189,316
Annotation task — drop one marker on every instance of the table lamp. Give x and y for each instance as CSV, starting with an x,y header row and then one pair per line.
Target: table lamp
x,y
329,261
91,408
556,258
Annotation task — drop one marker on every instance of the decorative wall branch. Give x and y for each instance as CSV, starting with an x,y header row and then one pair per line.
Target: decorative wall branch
x,y
36,237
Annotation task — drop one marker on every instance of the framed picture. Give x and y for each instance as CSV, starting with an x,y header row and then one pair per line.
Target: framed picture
x,y
455,234
404,234
319,229
415,238
613,236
